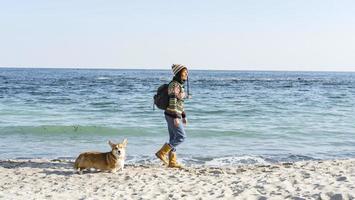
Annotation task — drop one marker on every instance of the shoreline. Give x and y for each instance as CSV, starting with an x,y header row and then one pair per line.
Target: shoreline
x,y
56,179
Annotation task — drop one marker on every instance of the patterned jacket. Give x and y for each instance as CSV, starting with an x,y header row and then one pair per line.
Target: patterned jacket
x,y
176,100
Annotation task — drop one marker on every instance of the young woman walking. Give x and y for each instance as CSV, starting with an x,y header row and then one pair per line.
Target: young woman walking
x,y
175,116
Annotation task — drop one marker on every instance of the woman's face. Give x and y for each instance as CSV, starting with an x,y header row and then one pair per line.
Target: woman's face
x,y
184,74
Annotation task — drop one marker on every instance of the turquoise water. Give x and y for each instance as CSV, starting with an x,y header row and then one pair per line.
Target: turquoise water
x,y
235,117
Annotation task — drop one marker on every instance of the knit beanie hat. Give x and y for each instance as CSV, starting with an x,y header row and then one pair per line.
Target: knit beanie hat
x,y
177,68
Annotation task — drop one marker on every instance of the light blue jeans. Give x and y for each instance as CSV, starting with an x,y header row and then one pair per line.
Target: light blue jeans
x,y
177,135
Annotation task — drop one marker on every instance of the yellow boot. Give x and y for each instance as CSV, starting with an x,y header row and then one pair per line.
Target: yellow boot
x,y
172,160
163,152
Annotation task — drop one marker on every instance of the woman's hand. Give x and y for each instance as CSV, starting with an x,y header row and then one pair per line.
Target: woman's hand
x,y
184,121
176,122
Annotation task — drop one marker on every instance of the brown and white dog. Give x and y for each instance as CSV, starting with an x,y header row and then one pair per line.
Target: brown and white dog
x,y
110,161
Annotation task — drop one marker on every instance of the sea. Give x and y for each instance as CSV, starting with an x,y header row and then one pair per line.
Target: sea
x,y
234,117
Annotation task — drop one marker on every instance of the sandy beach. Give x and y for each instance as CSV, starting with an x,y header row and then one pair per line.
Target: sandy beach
x,y
55,179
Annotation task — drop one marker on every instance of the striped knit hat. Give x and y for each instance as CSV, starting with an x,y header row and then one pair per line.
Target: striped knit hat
x,y
177,68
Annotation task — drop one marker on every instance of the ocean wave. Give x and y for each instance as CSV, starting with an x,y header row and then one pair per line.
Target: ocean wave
x,y
204,161
103,78
53,130
236,160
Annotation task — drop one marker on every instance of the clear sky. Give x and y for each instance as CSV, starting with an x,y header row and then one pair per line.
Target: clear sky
x,y
203,34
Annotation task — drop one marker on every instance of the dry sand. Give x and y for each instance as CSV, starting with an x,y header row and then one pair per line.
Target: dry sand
x,y
44,179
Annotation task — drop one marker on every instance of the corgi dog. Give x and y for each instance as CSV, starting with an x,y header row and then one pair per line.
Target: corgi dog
x,y
110,161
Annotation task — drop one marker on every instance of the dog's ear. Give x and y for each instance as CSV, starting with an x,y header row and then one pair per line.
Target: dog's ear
x,y
111,144
125,141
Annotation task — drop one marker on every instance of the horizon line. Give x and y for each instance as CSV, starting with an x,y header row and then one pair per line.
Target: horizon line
x,y
123,68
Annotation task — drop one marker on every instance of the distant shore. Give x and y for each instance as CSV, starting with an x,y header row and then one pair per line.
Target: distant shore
x,y
55,179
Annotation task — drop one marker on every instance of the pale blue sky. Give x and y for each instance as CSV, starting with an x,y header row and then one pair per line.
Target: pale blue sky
x,y
219,34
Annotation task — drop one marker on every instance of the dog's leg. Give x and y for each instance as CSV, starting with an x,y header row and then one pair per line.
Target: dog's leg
x,y
80,171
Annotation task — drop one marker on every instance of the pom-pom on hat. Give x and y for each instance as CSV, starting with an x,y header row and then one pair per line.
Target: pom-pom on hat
x,y
177,68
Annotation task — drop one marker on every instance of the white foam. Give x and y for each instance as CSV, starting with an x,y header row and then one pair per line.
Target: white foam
x,y
103,78
236,160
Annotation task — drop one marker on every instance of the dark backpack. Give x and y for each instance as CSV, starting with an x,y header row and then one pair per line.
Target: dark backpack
x,y
161,99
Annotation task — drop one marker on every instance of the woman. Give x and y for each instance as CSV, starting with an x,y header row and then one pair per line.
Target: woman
x,y
175,116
